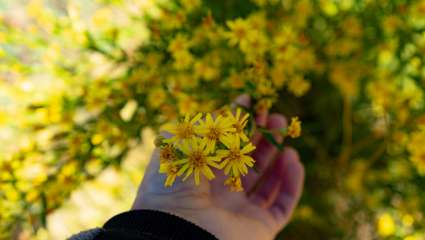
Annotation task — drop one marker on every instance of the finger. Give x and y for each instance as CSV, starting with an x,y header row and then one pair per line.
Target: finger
x,y
292,182
267,192
265,151
243,100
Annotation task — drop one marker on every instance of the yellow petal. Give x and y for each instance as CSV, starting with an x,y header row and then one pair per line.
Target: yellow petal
x,y
208,173
170,180
227,169
222,164
182,170
243,137
248,148
208,119
196,118
235,170
186,117
238,113
197,177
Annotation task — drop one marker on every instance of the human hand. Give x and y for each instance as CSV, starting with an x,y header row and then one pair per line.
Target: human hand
x,y
234,215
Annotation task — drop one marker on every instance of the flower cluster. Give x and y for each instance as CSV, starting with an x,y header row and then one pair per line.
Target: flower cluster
x,y
215,141
416,147
202,143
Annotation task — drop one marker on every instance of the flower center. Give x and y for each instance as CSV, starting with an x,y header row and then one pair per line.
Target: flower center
x,y
213,133
184,131
167,153
238,127
234,155
198,159
240,33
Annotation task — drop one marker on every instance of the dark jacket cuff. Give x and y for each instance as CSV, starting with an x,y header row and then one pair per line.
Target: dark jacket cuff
x,y
149,224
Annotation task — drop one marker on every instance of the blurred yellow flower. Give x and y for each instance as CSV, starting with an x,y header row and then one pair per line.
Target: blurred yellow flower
x,y
298,86
239,31
416,148
386,225
157,97
179,44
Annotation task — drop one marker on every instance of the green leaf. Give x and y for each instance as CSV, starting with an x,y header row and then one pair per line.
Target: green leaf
x,y
270,138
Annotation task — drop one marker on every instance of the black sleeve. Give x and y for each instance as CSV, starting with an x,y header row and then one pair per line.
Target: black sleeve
x,y
151,225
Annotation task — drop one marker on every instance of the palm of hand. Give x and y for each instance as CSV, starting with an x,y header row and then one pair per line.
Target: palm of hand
x,y
230,215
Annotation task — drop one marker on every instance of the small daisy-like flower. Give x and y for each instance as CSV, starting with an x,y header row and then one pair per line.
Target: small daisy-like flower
x,y
184,130
299,86
214,130
197,160
179,44
171,170
167,153
235,160
234,183
294,129
239,30
239,123
416,149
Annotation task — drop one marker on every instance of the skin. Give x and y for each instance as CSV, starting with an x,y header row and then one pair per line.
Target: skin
x,y
234,215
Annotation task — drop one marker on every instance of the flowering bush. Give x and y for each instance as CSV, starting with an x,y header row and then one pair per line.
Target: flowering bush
x,y
85,85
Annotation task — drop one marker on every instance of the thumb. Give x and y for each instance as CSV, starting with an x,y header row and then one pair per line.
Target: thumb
x,y
153,183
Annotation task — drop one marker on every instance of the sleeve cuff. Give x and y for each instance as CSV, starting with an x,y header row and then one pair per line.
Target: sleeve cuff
x,y
150,224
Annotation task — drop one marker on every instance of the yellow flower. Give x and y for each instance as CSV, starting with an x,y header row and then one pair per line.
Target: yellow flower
x,y
239,30
179,44
386,225
205,71
171,170
197,160
258,20
278,76
239,123
234,183
298,86
214,130
294,129
167,154
190,5
187,104
184,130
156,97
235,159
236,81
416,149
183,60
254,45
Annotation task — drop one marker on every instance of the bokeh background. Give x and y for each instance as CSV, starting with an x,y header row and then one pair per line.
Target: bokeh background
x,y
85,85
